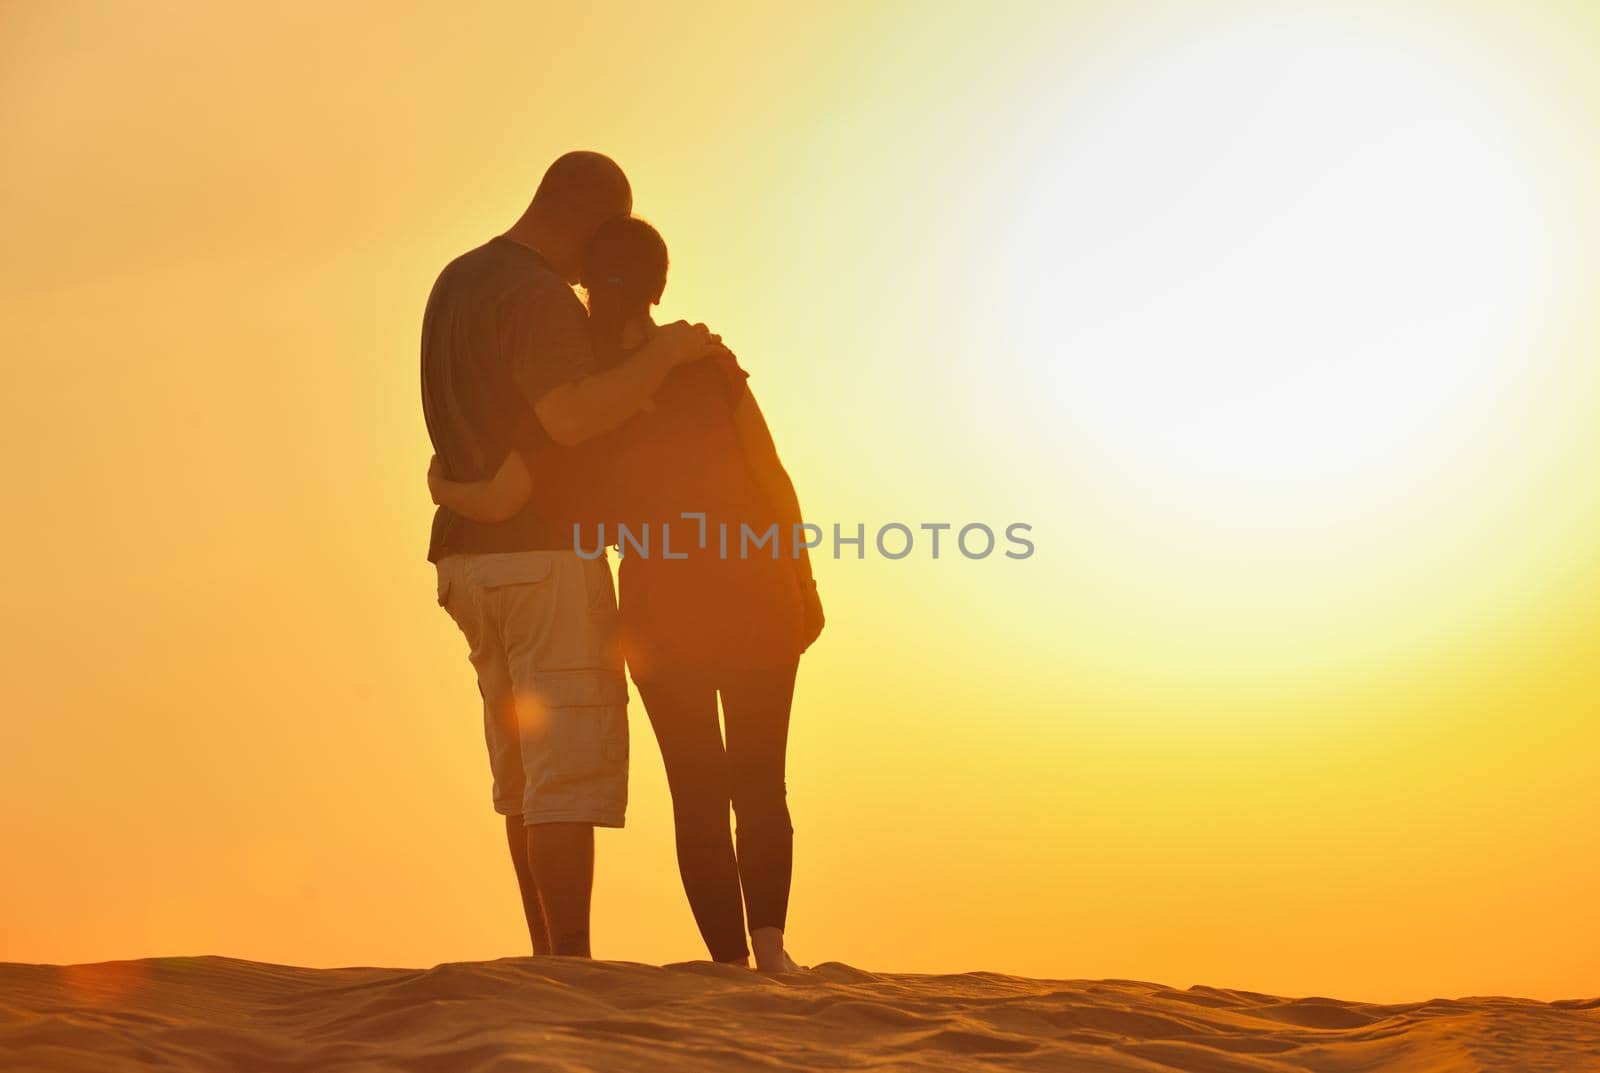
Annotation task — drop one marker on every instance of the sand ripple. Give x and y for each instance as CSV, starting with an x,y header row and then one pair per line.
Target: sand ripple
x,y
217,1014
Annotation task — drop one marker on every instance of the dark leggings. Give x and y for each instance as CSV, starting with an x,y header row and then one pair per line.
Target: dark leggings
x,y
705,776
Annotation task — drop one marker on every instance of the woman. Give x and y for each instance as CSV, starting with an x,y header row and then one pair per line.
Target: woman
x,y
702,614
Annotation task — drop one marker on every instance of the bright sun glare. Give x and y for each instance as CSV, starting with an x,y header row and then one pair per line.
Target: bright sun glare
x,y
1283,258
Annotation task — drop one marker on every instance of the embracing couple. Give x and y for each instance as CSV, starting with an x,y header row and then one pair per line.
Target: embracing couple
x,y
549,418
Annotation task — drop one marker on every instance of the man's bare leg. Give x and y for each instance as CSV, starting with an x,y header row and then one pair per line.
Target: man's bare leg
x,y
561,859
532,907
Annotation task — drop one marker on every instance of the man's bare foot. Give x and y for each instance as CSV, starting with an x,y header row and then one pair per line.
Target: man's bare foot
x,y
767,944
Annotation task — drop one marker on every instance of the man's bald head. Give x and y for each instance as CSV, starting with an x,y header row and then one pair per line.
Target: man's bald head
x,y
579,192
584,180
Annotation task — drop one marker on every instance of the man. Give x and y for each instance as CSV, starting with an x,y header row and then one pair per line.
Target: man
x,y
503,334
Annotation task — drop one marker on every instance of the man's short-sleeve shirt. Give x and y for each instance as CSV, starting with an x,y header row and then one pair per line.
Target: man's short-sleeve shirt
x,y
501,329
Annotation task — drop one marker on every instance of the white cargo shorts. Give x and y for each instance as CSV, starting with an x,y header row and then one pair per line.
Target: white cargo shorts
x,y
541,629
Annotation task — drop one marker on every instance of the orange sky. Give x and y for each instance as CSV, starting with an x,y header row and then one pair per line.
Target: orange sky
x,y
1273,323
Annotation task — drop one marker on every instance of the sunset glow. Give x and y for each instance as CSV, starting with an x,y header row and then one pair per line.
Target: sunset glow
x,y
1274,323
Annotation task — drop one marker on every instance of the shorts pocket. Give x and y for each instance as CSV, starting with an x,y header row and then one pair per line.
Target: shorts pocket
x,y
587,687
520,568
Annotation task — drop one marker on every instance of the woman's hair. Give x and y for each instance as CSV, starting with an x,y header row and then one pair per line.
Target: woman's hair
x,y
624,273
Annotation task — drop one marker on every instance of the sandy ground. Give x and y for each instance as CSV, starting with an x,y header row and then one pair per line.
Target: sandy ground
x,y
208,1013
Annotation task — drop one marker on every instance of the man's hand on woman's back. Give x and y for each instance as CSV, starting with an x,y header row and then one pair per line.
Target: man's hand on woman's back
x,y
686,341
578,409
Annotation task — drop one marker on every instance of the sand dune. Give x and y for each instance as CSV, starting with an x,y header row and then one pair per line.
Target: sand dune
x,y
209,1013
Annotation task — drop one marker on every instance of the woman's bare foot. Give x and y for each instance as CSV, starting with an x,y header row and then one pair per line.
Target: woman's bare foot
x,y
767,944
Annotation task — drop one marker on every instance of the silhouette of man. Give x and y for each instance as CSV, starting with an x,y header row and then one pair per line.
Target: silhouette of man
x,y
504,334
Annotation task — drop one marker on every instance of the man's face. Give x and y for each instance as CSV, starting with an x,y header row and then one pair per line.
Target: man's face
x,y
586,221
